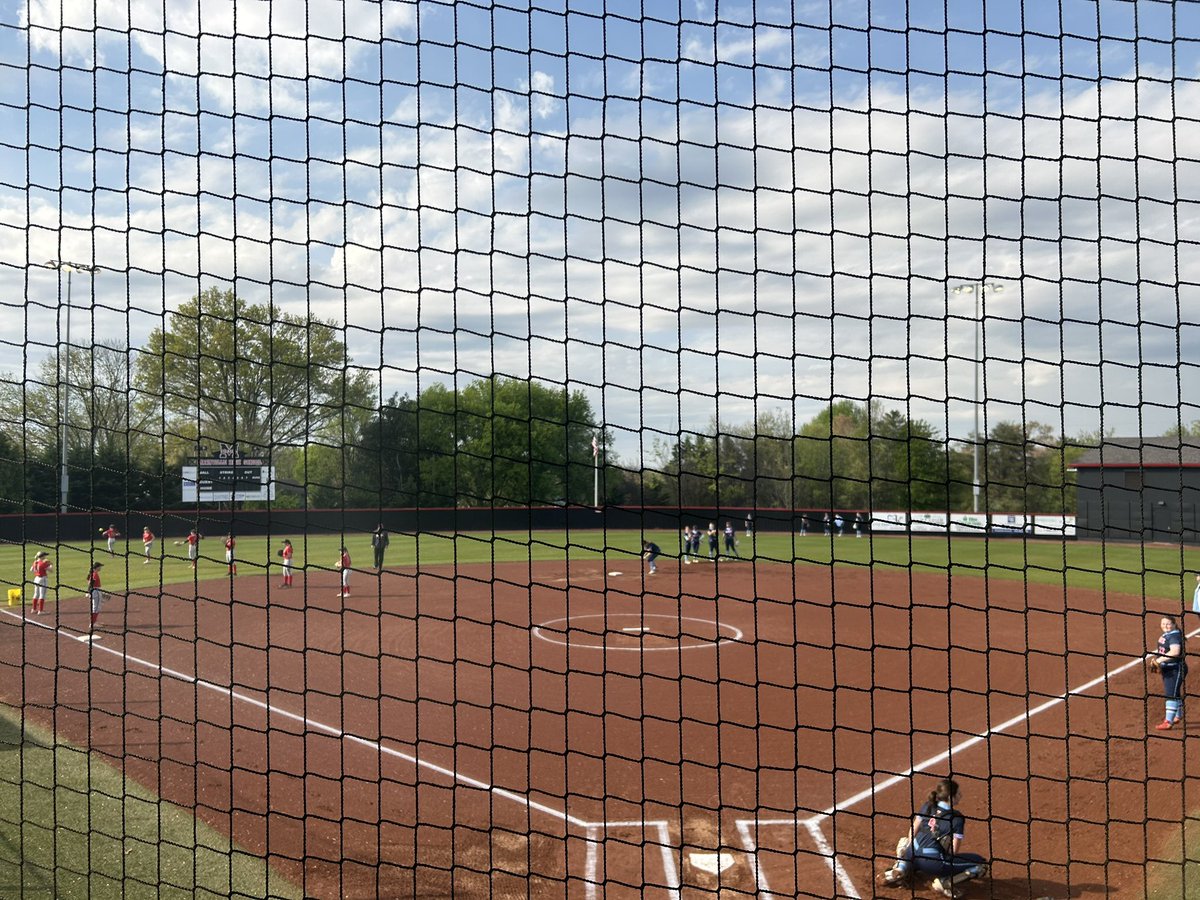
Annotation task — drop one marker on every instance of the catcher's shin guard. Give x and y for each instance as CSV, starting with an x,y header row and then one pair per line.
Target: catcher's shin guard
x,y
948,884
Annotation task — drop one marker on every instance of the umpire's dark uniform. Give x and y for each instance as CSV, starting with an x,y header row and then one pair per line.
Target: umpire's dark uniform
x,y
379,541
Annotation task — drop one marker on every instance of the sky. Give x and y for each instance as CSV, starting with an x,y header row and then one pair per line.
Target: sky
x,y
694,212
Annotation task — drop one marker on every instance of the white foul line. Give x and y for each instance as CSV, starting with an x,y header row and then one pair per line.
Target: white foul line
x,y
976,739
590,829
814,823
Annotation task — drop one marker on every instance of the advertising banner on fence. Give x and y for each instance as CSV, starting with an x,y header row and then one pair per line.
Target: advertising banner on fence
x,y
889,521
1007,523
968,523
929,521
1060,526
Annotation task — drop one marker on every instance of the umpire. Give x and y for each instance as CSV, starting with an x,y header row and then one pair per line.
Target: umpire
x,y
379,542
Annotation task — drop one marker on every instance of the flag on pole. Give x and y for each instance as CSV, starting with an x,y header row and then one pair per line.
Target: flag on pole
x,y
595,448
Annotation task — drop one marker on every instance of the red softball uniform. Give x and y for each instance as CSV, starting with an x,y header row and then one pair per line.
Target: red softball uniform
x,y
40,568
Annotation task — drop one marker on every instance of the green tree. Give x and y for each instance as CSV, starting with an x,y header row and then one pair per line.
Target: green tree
x,y
774,461
225,370
497,441
908,464
688,468
523,442
832,459
104,417
1025,468
13,493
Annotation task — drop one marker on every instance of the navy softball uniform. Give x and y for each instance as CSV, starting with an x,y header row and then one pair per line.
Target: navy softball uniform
x,y
931,850
1173,669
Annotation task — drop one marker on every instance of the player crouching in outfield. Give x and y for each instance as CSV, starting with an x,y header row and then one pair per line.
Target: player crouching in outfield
x,y
932,845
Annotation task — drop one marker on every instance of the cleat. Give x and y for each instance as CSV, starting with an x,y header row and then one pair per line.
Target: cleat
x,y
1165,725
894,876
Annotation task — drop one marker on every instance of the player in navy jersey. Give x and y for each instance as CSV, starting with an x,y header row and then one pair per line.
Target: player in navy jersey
x,y
932,845
1170,661
650,551
730,540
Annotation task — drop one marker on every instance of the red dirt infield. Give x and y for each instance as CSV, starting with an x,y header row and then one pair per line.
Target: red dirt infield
x,y
562,730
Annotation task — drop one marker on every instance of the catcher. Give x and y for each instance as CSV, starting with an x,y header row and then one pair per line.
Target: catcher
x,y
932,845
1169,661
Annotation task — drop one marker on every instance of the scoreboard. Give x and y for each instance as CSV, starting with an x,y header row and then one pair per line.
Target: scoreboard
x,y
224,480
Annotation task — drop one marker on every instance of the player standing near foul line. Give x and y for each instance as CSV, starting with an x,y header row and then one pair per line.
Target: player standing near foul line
x,y
1168,660
41,576
343,566
94,591
285,552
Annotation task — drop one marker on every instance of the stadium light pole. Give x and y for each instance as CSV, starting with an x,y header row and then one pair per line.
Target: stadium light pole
x,y
63,265
979,289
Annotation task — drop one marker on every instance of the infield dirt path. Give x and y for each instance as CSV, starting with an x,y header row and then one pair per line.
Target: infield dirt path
x,y
558,731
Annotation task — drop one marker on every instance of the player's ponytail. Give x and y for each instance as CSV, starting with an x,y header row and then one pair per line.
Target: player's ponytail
x,y
944,791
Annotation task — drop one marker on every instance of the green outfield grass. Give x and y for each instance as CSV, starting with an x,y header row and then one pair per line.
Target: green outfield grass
x,y
1154,570
73,827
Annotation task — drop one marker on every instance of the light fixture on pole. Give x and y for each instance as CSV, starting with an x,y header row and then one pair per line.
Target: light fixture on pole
x,y
63,265
978,288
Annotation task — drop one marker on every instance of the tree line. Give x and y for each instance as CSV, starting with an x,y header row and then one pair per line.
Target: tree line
x,y
222,370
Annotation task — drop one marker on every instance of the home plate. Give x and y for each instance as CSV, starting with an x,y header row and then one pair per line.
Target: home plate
x,y
86,638
713,863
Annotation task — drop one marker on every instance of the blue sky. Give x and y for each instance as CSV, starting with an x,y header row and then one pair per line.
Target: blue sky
x,y
692,211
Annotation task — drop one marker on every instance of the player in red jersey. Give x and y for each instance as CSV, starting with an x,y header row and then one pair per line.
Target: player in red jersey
x,y
344,566
94,591
230,543
41,571
193,544
148,543
111,534
286,553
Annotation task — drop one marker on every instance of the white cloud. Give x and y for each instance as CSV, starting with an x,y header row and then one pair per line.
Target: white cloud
x,y
688,221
